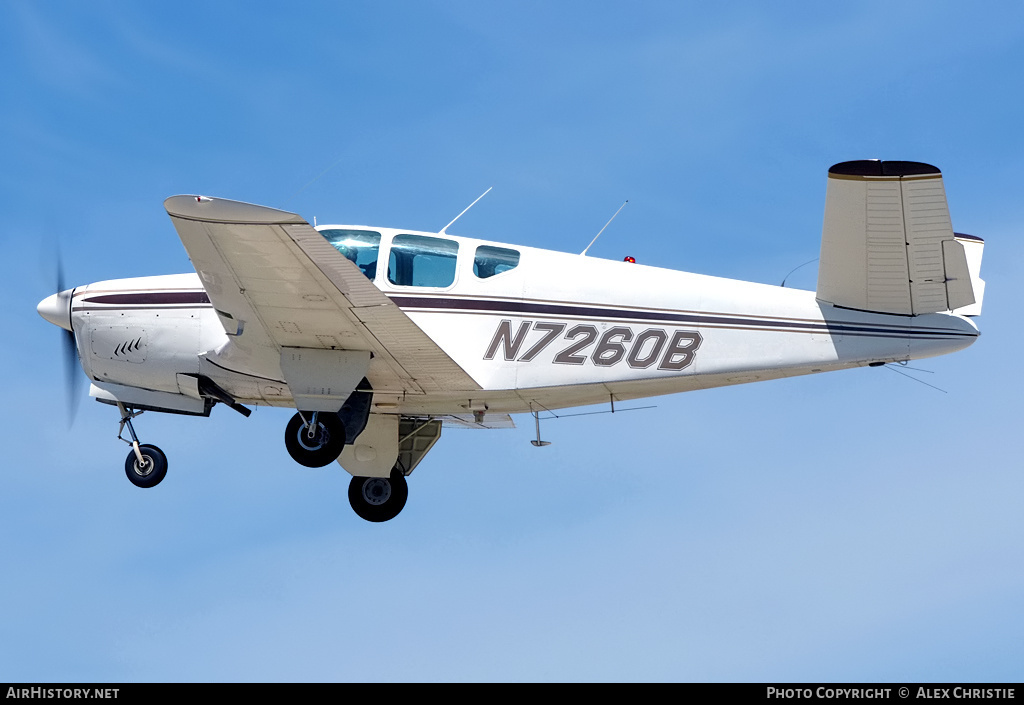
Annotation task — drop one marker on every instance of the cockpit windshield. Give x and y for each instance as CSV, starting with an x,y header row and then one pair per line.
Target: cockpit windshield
x,y
360,246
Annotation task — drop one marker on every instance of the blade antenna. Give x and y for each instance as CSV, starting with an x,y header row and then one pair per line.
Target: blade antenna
x,y
464,212
584,253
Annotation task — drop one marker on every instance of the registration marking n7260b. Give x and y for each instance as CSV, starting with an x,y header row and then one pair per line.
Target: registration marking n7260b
x,y
523,341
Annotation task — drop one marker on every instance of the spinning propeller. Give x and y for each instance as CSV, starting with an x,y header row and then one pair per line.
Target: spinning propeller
x,y
57,310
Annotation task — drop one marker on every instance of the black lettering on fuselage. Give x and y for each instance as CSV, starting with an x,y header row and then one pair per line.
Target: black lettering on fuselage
x,y
609,352
673,350
634,359
569,356
503,337
551,331
680,351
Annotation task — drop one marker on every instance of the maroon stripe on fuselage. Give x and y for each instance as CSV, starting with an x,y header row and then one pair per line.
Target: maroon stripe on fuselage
x,y
184,299
528,308
150,298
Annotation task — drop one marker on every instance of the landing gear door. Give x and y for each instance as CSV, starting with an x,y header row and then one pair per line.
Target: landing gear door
x,y
321,380
375,450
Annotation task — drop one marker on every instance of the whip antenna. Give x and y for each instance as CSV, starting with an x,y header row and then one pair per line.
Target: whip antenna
x,y
464,212
584,253
796,268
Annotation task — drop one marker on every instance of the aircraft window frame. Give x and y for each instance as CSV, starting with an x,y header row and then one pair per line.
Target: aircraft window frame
x,y
422,261
488,258
354,250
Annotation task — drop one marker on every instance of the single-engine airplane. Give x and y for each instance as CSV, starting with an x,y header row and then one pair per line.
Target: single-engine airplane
x,y
378,337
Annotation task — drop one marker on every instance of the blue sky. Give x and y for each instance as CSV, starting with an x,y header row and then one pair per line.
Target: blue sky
x,y
855,526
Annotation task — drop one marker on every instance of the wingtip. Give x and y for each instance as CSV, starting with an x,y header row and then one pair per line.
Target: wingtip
x,y
221,210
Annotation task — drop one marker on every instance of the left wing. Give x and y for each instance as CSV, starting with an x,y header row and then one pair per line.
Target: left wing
x,y
276,283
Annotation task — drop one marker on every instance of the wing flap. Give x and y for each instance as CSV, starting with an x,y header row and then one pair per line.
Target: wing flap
x,y
488,421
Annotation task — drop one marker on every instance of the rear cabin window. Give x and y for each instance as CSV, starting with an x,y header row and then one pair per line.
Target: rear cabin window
x,y
418,260
494,260
360,246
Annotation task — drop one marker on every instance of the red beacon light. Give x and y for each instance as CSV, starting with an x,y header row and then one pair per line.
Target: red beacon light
x,y
629,259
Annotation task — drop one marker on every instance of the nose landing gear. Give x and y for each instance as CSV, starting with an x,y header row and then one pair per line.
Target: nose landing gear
x,y
146,465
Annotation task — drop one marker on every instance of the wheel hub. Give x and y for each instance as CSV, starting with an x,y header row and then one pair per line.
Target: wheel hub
x,y
143,469
311,438
376,491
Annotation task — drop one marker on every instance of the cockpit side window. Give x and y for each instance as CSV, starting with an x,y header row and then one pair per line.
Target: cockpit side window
x,y
360,246
494,260
418,260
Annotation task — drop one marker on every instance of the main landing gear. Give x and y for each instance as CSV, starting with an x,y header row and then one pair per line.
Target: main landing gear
x,y
146,465
315,438
382,498
378,498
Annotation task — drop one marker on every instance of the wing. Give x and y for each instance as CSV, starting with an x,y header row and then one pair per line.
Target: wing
x,y
276,283
887,243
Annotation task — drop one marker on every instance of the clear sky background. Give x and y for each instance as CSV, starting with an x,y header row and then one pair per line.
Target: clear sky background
x,y
854,526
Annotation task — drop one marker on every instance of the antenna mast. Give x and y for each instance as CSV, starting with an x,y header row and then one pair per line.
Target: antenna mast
x,y
464,212
584,253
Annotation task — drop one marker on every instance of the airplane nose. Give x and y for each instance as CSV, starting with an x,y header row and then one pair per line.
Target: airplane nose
x,y
57,309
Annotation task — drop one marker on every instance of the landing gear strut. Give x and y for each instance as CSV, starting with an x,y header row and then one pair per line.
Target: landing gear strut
x,y
146,465
315,439
378,498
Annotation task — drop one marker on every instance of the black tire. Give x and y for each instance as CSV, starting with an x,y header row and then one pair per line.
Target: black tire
x,y
324,448
378,498
152,472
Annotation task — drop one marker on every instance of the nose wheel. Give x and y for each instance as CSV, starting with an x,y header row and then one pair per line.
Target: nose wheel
x,y
315,439
150,471
378,498
146,465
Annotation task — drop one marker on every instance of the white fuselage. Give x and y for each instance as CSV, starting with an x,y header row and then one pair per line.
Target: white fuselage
x,y
553,331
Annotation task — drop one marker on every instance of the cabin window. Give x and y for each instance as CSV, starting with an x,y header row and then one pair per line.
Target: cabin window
x,y
494,260
418,260
360,246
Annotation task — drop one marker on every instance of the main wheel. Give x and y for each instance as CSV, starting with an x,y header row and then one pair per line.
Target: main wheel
x,y
320,448
378,498
149,472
